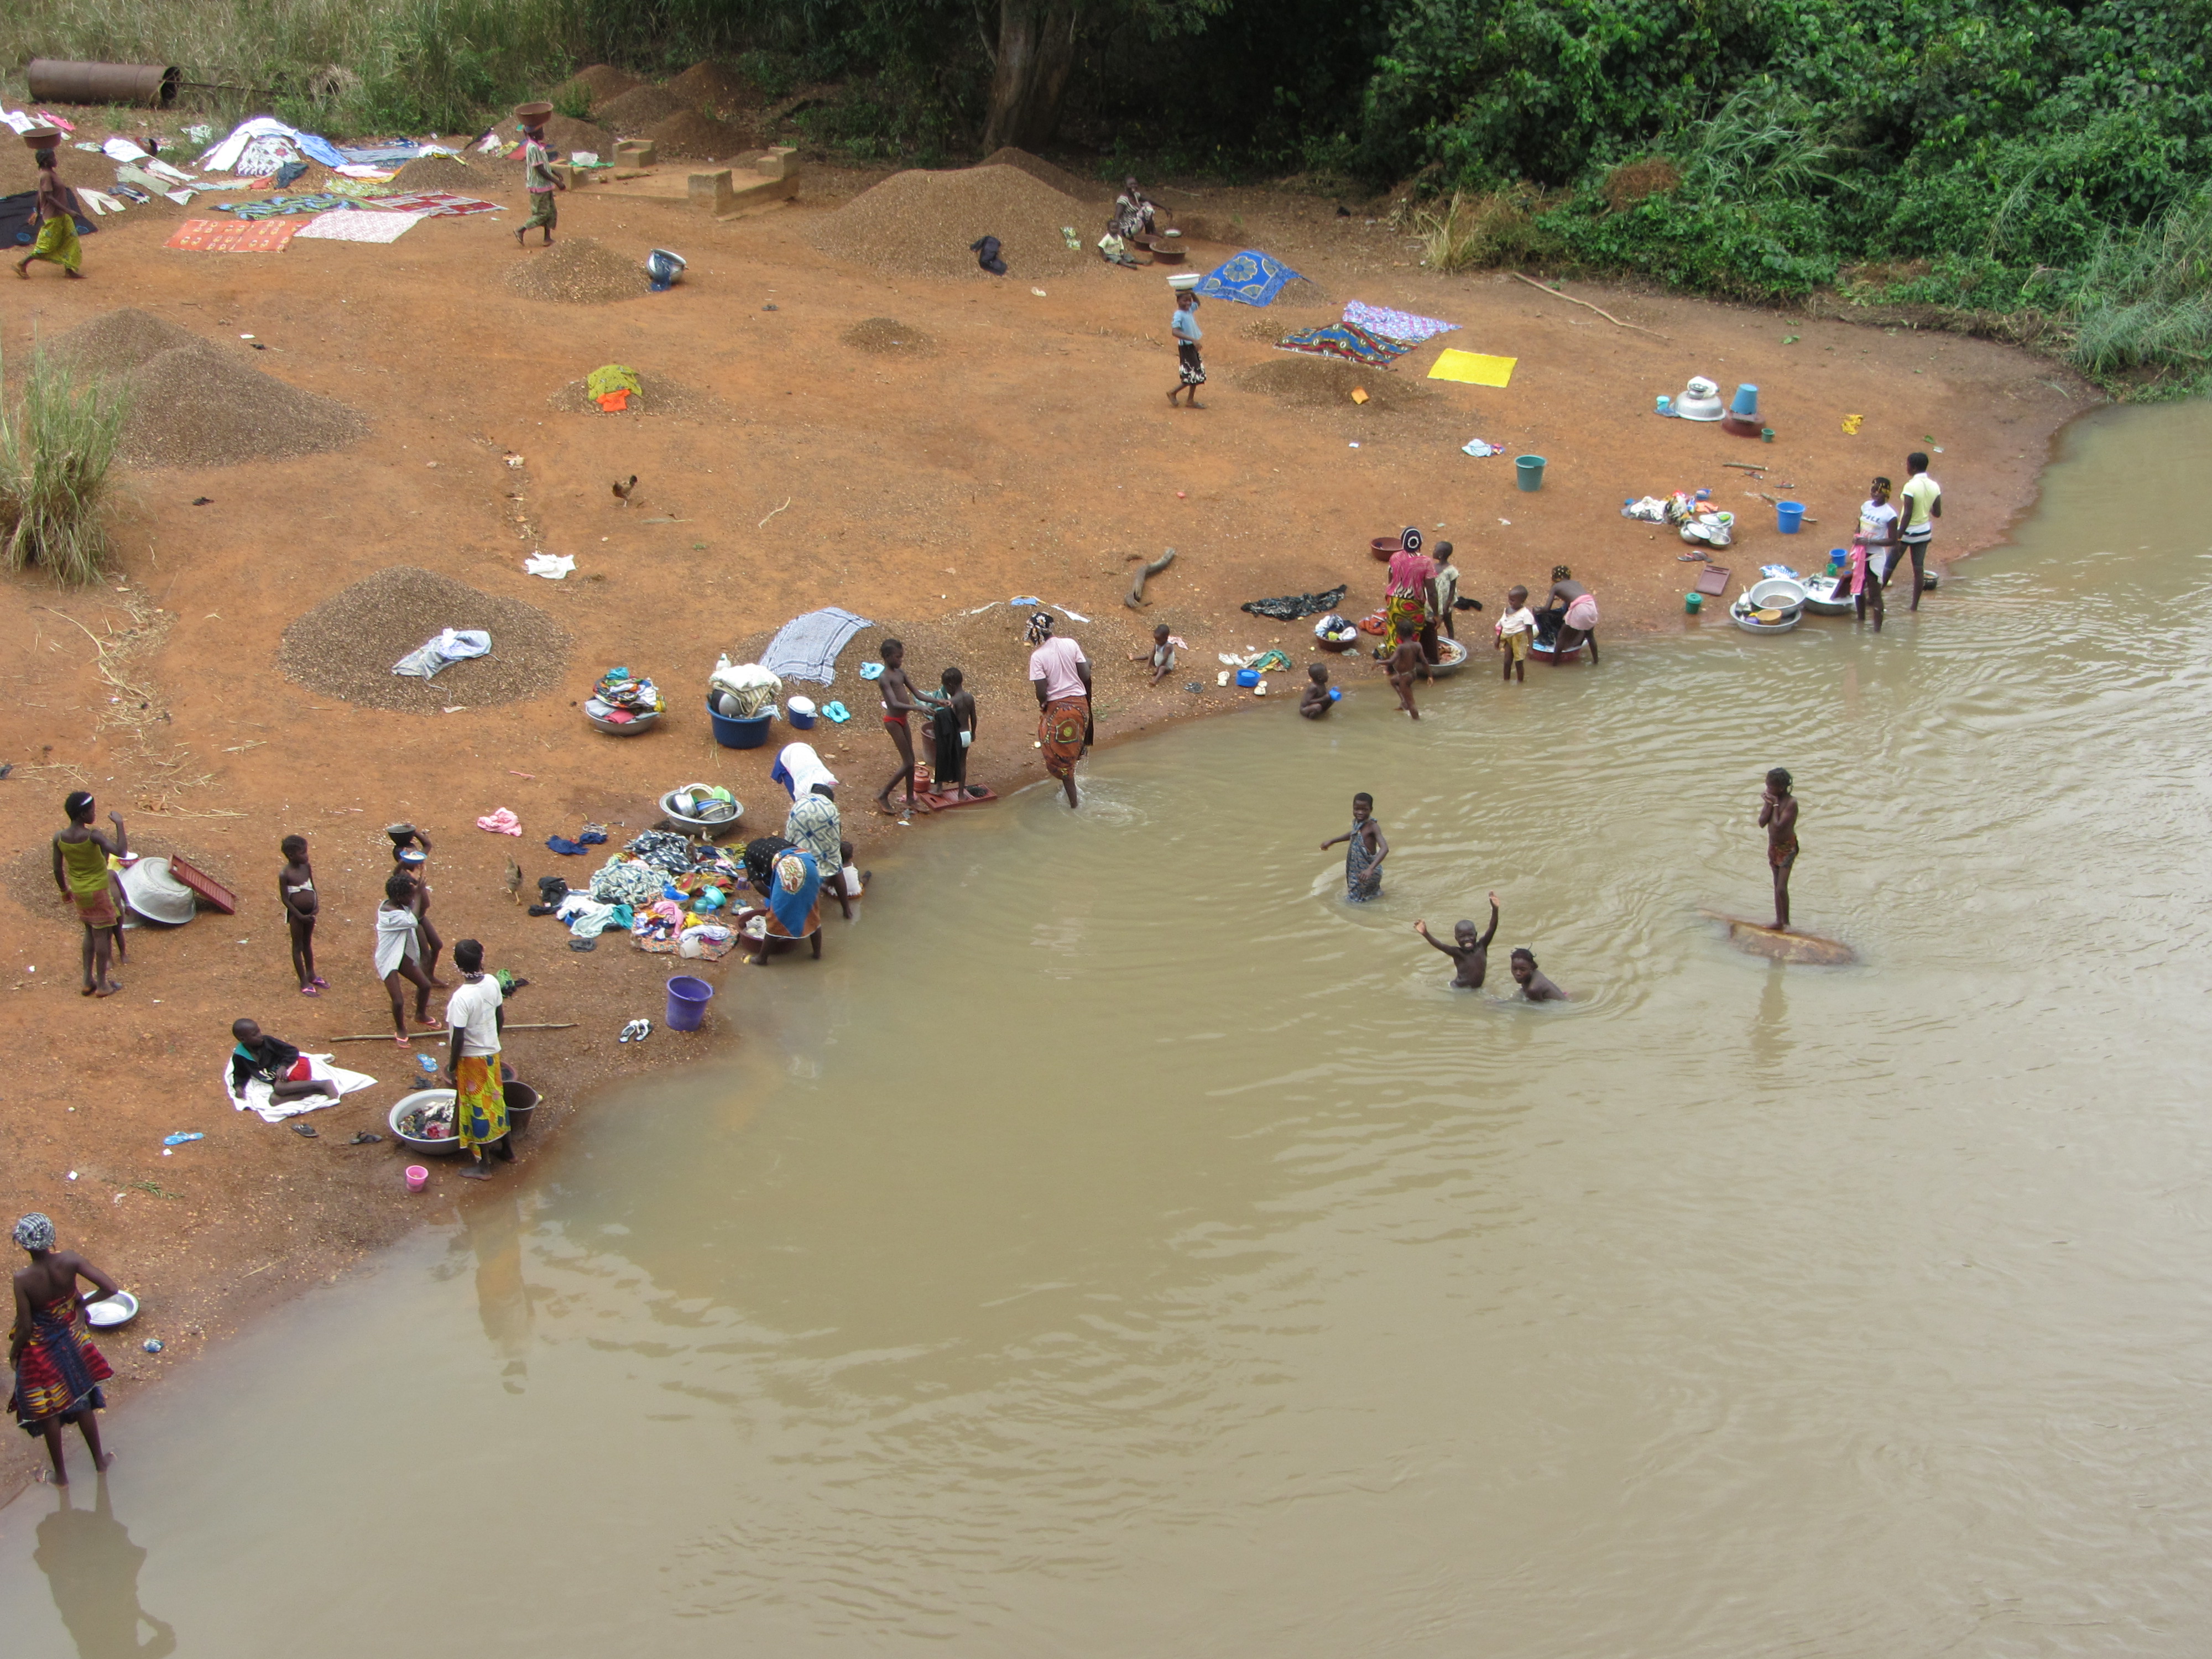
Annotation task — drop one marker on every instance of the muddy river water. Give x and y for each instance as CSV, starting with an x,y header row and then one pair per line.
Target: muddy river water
x,y
1120,1246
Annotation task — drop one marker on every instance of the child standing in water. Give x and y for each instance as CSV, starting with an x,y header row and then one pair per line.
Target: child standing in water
x,y
1777,815
295,889
1534,986
1515,629
1364,851
1468,951
953,726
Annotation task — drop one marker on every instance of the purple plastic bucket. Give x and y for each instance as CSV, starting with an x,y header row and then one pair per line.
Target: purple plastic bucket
x,y
687,1002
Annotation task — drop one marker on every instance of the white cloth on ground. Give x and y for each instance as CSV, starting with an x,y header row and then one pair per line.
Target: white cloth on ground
x,y
453,645
225,156
260,1098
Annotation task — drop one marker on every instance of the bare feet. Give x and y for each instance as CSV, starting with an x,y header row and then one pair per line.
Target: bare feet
x,y
109,989
475,1172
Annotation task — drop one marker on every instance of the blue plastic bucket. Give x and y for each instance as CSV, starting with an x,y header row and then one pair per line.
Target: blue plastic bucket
x,y
737,734
1788,515
1747,401
687,1002
1248,677
1529,471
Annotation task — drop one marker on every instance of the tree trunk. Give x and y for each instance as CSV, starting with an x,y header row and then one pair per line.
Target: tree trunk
x,y
1036,56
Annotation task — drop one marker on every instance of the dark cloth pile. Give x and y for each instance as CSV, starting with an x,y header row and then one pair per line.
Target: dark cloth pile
x,y
1291,607
986,250
665,851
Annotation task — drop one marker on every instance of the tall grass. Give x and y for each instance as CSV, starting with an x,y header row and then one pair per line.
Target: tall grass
x,y
2146,299
1493,227
57,444
412,65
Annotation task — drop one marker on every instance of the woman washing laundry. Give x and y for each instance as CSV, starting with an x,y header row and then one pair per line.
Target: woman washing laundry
x,y
1570,615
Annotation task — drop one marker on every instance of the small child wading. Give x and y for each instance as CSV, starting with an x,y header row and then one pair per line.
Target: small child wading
x,y
1364,852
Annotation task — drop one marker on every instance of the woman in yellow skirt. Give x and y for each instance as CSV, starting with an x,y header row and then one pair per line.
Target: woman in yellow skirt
x,y
57,242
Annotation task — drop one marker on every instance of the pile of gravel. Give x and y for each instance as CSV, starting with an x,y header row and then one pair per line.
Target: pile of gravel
x,y
656,395
1084,189
693,135
568,135
193,404
443,173
920,223
345,647
889,337
579,271
709,85
638,109
603,81
1316,383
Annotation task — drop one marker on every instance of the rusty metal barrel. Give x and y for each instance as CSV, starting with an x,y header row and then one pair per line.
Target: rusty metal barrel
x,y
148,85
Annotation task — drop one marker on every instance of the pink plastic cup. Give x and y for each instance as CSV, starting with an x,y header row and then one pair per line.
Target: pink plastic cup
x,y
417,1177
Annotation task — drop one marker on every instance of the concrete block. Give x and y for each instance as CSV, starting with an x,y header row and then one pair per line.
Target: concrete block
x,y
712,191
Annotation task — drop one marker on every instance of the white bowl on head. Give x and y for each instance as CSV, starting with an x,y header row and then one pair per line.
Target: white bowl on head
x,y
157,894
1183,281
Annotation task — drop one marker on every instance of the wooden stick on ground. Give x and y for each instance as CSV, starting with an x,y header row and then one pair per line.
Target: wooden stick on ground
x,y
438,1035
1586,305
1749,467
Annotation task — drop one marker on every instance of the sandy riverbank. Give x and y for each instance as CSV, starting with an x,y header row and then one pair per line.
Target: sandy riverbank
x,y
1028,449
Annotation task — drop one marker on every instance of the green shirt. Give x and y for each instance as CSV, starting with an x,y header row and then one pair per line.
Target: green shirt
x,y
1920,496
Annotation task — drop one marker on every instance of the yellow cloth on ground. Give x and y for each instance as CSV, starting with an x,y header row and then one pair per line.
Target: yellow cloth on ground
x,y
58,243
611,378
1472,368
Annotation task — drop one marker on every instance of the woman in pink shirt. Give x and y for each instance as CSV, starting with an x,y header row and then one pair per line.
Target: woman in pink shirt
x,y
1410,598
1061,677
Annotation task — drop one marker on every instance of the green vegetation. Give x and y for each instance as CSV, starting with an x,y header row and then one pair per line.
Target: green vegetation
x,y
2034,169
56,447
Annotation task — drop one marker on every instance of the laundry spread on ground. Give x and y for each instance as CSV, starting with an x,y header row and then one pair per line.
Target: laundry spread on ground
x,y
806,647
1347,341
286,207
338,225
1395,324
439,203
1472,368
1250,278
215,236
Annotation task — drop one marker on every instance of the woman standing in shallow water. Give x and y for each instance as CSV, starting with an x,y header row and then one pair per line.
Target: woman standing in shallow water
x,y
58,1370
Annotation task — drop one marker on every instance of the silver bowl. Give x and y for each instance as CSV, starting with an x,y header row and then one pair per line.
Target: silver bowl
x,y
704,826
445,1146
626,728
112,1312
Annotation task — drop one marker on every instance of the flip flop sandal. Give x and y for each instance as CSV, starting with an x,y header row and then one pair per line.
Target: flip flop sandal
x,y
307,1131
309,991
365,1137
583,944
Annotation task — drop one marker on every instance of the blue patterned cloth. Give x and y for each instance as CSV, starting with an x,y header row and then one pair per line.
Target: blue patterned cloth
x,y
1395,324
1251,279
792,892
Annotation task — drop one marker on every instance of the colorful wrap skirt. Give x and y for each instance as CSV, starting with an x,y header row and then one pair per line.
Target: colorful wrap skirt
x,y
479,1101
1061,730
60,1371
